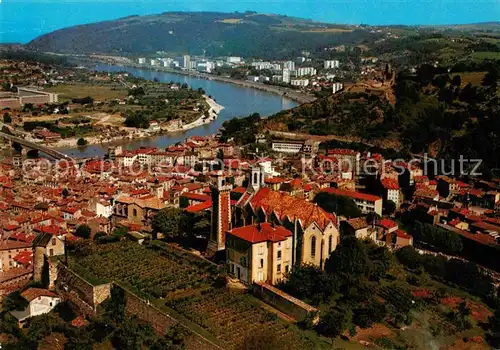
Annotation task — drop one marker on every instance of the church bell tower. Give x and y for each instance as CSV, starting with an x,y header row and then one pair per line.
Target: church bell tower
x,y
221,215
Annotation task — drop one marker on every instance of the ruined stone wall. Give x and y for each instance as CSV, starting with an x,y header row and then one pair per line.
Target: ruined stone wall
x,y
76,289
161,321
284,302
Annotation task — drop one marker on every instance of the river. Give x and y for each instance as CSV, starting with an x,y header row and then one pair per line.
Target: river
x,y
237,101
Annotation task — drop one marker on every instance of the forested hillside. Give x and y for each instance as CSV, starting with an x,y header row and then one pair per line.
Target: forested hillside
x,y
436,111
243,34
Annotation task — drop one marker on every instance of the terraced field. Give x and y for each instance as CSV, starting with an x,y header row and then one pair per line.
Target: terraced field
x,y
233,317
188,285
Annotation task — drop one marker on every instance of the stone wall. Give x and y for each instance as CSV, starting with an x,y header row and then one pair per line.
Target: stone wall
x,y
147,312
101,293
161,321
284,302
79,291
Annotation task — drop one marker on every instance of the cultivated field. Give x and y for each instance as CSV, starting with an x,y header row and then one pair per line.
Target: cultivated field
x,y
79,90
189,285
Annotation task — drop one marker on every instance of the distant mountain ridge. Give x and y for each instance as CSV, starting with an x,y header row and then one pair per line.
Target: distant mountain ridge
x,y
242,34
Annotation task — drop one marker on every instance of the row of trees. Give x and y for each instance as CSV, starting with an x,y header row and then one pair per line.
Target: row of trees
x,y
443,240
181,226
465,274
346,288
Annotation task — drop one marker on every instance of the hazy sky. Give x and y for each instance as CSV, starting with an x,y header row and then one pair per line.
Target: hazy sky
x,y
23,20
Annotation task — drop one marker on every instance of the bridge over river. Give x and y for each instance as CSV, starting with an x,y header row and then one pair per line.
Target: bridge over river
x,y
32,145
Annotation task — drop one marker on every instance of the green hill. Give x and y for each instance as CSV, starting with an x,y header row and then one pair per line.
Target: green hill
x,y
243,34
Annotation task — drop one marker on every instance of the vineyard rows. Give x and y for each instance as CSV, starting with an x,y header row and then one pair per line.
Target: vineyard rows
x,y
161,271
231,317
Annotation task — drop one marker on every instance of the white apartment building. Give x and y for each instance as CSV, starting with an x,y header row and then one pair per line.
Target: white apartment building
x,y
167,62
234,59
153,62
142,60
207,67
259,65
305,71
287,146
290,65
300,82
330,64
336,87
286,75
186,61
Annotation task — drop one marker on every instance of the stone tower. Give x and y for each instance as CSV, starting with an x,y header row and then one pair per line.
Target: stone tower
x,y
38,263
221,215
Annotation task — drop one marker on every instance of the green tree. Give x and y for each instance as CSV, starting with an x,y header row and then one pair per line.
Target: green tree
x,y
169,221
81,142
491,78
220,154
14,301
99,235
115,306
367,315
7,119
350,260
137,119
133,334
389,207
32,154
335,322
120,231
462,317
456,81
309,283
340,205
83,231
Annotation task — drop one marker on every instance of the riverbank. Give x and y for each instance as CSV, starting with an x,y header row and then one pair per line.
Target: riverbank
x,y
213,113
136,134
291,94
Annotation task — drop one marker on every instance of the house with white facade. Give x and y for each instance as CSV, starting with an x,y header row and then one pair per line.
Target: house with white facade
x,y
40,301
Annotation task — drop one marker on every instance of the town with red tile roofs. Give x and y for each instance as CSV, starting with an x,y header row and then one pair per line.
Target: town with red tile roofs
x,y
218,239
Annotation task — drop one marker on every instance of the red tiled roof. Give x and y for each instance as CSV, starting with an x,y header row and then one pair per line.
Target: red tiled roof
x,y
474,217
345,151
33,293
390,184
196,196
24,258
51,229
403,234
261,233
284,205
69,210
23,237
240,189
10,227
80,321
8,245
199,207
388,223
274,180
